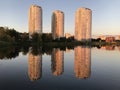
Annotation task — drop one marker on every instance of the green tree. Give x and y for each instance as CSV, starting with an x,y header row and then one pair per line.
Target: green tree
x,y
47,37
36,37
24,37
13,33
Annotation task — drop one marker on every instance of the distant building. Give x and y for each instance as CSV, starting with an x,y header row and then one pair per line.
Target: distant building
x,y
35,19
57,60
117,37
102,37
57,24
83,22
68,35
110,39
82,62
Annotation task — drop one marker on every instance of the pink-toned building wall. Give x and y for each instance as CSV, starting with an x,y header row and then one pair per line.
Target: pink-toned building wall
x,y
83,22
35,19
110,39
57,24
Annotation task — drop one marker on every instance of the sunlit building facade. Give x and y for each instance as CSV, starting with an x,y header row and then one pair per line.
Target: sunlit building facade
x,y
82,62
57,24
34,66
83,22
110,39
57,60
35,19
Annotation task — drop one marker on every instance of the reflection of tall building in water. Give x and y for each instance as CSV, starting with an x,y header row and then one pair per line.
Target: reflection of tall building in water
x,y
83,24
57,62
82,63
57,24
35,19
34,66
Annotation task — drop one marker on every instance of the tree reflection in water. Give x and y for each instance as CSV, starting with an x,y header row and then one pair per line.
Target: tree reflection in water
x,y
82,59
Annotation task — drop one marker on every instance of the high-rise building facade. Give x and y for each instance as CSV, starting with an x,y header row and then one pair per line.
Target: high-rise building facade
x,y
57,24
82,63
35,19
83,22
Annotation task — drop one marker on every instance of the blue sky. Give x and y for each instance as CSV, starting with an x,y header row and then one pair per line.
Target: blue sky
x,y
105,14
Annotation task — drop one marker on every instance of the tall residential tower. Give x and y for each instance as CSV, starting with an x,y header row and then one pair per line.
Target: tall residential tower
x,y
57,24
35,19
83,23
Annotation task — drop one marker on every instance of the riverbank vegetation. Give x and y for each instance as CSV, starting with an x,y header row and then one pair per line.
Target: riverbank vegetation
x,y
12,37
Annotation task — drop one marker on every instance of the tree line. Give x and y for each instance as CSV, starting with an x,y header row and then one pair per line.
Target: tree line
x,y
11,35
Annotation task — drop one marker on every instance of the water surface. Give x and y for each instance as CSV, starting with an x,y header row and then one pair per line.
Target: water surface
x,y
81,68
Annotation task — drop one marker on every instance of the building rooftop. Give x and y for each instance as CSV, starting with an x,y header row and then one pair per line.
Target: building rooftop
x,y
36,6
58,11
84,8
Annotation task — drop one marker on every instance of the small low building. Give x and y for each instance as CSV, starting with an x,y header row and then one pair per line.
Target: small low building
x,y
110,39
68,35
102,37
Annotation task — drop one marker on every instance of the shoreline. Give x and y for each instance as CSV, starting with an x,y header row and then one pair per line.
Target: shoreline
x,y
53,44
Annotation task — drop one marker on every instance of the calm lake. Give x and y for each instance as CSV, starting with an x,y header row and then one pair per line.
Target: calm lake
x,y
81,68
